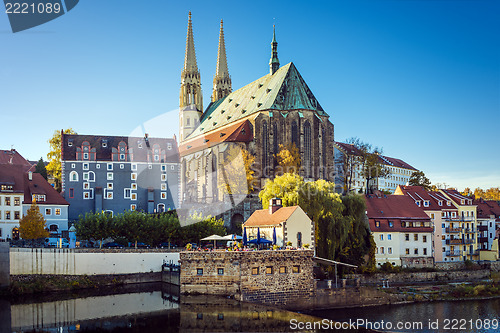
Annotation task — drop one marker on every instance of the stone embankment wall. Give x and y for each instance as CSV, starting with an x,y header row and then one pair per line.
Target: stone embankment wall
x,y
351,297
456,266
87,262
268,277
409,278
4,264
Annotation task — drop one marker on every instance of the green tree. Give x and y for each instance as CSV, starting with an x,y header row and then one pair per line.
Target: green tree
x,y
95,227
54,157
288,159
418,178
40,168
285,187
32,225
134,226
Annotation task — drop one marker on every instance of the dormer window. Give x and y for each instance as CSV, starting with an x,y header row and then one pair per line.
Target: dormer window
x,y
377,224
391,224
440,202
462,202
104,143
448,203
70,143
418,203
426,203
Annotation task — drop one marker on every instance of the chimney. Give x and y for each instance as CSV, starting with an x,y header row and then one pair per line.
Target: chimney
x,y
274,205
30,175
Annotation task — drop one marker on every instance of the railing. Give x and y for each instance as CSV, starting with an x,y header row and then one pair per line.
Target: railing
x,y
454,241
468,241
456,253
451,230
470,230
459,219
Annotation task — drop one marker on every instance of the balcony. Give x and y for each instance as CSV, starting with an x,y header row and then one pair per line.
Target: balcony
x,y
468,241
456,253
459,219
450,230
470,230
454,241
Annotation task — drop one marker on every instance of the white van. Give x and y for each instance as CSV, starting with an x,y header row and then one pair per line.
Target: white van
x,y
56,242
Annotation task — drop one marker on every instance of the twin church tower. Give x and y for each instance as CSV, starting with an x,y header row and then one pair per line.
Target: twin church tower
x,y
191,97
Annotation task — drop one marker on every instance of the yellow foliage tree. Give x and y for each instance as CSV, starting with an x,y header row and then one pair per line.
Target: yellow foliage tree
x,y
236,176
32,225
54,156
288,159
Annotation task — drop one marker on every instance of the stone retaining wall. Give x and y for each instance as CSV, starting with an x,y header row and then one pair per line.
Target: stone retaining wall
x,y
409,278
4,264
268,277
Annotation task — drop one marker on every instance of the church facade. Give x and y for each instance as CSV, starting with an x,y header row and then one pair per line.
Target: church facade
x,y
276,109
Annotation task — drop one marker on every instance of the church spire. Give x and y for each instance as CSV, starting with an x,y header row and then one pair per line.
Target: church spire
x,y
190,97
222,80
274,63
190,57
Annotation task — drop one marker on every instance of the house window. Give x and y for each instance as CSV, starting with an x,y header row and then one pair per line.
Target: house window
x,y
172,167
126,193
97,166
122,166
109,176
122,157
199,271
133,207
382,250
17,215
255,270
85,166
110,186
48,211
73,176
425,251
150,166
220,271
163,167
133,196
109,195
424,238
169,146
163,187
110,166
164,195
269,270
7,201
389,237
133,186
407,251
415,237
295,269
7,215
133,176
85,156
58,211
86,186
73,165
415,251
163,177
381,237
134,167
377,224
71,193
407,237
86,176
86,195
17,201
283,270
389,250
391,224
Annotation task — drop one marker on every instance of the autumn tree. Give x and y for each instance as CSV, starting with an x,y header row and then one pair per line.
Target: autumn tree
x,y
288,159
54,157
40,168
418,178
236,176
492,193
32,225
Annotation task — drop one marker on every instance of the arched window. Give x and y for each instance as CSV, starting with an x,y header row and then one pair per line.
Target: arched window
x,y
299,239
307,148
265,147
275,138
91,176
161,208
323,151
73,176
295,136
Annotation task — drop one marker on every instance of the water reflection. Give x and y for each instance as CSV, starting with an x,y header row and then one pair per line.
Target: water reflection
x,y
149,309
450,316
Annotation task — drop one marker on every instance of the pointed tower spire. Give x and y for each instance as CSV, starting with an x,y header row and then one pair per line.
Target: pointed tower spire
x,y
190,57
222,80
190,97
274,63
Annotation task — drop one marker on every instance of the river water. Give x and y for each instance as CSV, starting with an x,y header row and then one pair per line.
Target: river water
x,y
443,316
158,308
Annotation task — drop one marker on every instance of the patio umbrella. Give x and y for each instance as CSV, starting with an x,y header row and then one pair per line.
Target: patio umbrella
x,y
259,241
215,238
258,235
274,236
245,236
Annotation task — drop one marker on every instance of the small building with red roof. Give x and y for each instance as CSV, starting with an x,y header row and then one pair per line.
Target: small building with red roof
x,y
290,224
402,231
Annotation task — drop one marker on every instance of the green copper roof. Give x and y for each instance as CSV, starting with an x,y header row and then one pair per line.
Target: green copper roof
x,y
284,90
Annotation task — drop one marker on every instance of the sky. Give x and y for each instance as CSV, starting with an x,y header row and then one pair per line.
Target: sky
x,y
418,78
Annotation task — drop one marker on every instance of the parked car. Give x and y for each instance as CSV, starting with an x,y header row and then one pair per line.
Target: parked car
x,y
56,242
165,245
140,245
112,245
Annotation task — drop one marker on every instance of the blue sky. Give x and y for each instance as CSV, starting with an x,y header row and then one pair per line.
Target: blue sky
x,y
419,78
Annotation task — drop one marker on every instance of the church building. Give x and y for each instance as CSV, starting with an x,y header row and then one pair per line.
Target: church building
x,y
275,109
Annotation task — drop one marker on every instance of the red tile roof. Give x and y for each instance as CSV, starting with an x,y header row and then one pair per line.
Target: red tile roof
x,y
11,174
457,197
14,158
238,132
38,185
262,217
393,206
486,208
419,193
386,160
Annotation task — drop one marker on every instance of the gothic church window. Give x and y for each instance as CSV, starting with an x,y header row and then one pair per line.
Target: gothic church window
x,y
265,146
307,148
295,136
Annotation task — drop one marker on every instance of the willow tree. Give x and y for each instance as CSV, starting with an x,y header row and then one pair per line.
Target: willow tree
x,y
288,159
